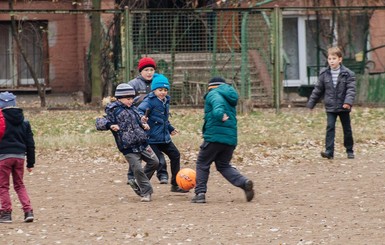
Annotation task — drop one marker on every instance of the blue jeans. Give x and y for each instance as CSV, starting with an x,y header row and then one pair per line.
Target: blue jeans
x,y
143,176
221,154
331,128
173,154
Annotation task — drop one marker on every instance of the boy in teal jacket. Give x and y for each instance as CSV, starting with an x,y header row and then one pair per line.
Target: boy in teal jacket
x,y
220,140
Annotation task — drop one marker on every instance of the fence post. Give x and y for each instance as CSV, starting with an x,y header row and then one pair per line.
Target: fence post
x,y
277,62
244,63
128,47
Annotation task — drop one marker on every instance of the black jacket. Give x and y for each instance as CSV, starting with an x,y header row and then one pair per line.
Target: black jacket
x,y
18,136
334,98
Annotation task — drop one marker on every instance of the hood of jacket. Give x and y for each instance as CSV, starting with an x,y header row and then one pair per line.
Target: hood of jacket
x,y
228,92
13,115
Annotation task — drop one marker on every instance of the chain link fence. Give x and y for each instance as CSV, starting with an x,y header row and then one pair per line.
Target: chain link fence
x,y
190,47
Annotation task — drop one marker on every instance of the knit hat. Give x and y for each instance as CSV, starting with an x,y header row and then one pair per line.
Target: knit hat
x,y
146,62
7,99
216,81
159,81
124,90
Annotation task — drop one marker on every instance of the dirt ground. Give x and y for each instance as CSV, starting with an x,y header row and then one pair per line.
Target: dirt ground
x,y
80,198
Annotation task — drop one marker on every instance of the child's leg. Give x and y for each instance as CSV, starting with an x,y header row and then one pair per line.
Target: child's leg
x,y
134,159
5,172
173,153
18,184
161,172
151,160
348,133
222,164
330,133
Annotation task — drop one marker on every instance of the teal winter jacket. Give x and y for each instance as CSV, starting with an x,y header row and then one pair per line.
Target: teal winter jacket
x,y
219,101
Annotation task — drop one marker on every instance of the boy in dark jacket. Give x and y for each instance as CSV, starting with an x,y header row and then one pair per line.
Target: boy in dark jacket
x,y
220,139
17,142
123,119
337,84
157,103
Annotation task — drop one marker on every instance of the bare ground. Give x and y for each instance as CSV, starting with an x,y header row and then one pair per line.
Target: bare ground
x,y
80,198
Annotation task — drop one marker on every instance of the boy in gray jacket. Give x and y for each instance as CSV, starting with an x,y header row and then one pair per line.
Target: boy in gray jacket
x,y
337,84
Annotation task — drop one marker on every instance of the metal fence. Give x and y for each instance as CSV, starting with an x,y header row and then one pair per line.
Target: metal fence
x,y
190,47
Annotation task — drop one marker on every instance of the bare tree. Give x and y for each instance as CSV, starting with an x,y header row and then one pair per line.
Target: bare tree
x,y
40,87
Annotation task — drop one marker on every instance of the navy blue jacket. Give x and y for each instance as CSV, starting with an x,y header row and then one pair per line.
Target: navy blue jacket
x,y
131,136
18,136
158,118
334,98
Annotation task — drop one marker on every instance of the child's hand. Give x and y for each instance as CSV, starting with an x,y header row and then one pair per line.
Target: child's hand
x,y
346,106
145,126
174,132
114,127
144,119
225,117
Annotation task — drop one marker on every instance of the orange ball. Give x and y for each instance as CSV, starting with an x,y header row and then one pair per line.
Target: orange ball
x,y
186,178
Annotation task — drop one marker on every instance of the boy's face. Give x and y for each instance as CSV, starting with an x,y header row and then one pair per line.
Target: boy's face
x,y
127,101
334,61
147,73
161,93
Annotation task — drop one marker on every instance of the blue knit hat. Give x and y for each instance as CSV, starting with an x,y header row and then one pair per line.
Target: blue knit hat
x,y
159,81
124,90
7,99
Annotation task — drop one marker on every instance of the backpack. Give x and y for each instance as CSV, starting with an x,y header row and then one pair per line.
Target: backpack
x,y
2,124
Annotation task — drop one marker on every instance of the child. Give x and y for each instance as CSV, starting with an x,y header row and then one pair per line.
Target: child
x,y
157,105
220,139
337,84
124,121
142,86
17,142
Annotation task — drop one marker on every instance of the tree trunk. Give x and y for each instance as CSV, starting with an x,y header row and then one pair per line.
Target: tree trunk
x,y
40,88
96,82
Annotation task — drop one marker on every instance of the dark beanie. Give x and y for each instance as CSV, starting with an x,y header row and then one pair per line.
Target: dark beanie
x,y
124,90
216,81
146,62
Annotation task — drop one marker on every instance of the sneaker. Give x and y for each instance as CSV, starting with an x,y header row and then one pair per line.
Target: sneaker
x,y
249,191
175,188
28,216
134,186
350,155
163,181
326,155
146,198
199,198
5,217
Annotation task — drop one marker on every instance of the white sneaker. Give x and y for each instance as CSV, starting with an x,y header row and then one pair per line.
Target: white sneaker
x,y
146,198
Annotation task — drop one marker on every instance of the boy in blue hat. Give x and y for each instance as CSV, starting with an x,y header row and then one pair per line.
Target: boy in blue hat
x,y
157,104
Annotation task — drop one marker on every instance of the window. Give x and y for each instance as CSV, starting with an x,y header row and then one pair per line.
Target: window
x,y
15,72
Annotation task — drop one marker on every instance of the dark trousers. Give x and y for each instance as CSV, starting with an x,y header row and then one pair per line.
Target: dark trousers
x,y
173,154
331,131
221,155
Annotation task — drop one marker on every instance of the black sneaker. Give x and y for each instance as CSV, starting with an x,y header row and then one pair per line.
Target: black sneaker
x,y
175,188
134,186
163,181
199,198
5,217
28,216
326,155
249,191
350,155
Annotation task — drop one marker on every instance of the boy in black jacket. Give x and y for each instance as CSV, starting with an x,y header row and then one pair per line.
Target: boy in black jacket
x,y
17,142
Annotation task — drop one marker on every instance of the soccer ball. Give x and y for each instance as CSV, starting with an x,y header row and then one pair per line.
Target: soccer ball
x,y
186,178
